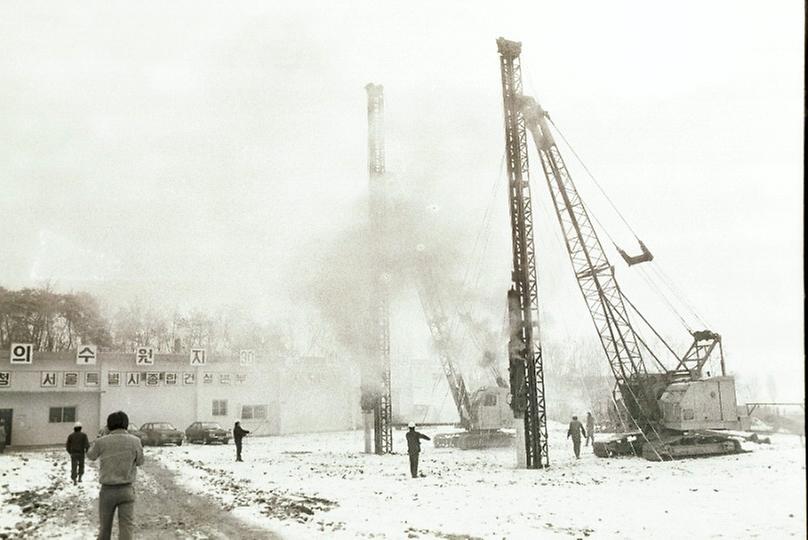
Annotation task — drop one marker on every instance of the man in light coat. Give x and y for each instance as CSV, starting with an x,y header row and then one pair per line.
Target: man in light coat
x,y
119,455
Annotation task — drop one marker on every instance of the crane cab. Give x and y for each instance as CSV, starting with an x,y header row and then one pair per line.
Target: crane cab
x,y
490,409
703,404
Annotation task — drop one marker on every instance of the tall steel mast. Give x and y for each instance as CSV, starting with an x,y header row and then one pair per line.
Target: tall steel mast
x,y
376,377
525,354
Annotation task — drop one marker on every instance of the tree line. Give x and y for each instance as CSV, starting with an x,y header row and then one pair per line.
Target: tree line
x,y
51,321
54,321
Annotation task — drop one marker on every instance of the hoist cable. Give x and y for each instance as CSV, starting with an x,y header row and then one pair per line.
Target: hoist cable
x,y
588,172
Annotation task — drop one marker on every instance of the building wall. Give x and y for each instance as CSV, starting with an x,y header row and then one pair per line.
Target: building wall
x,y
30,424
307,394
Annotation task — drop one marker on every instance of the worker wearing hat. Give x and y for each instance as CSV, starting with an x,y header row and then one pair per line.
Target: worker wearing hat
x,y
77,445
414,447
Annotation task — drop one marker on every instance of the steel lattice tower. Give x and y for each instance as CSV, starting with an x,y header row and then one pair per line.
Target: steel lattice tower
x,y
523,298
380,298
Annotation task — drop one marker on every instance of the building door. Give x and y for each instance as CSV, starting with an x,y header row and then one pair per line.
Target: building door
x,y
6,415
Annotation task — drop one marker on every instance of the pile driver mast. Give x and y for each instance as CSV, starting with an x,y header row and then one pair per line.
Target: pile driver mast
x,y
376,397
525,354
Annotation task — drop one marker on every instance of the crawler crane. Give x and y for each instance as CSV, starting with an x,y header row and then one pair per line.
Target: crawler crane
x,y
483,413
674,412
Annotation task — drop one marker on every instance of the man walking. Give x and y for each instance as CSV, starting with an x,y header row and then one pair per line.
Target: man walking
x,y
414,447
590,428
238,434
77,445
119,454
575,430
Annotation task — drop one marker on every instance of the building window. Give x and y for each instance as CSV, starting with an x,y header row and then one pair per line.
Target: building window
x,y
219,407
62,414
253,412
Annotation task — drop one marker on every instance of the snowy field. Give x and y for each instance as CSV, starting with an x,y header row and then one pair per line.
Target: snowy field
x,y
319,486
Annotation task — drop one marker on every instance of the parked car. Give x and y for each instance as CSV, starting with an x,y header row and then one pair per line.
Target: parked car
x,y
131,429
158,433
207,432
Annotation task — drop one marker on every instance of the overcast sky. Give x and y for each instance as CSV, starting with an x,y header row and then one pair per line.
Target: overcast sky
x,y
192,152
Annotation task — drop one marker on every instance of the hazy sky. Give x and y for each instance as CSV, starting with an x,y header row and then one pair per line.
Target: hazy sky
x,y
191,152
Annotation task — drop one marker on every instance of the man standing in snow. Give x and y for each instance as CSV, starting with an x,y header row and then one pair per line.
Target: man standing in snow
x,y
120,454
575,430
238,434
590,429
77,445
414,447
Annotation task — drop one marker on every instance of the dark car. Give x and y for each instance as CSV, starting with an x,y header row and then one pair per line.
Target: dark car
x,y
158,433
131,429
207,432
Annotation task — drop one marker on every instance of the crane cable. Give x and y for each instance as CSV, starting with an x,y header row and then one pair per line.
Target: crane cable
x,y
617,211
663,277
473,266
473,272
678,292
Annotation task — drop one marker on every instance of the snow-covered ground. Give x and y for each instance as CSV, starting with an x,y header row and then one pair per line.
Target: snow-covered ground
x,y
481,494
321,486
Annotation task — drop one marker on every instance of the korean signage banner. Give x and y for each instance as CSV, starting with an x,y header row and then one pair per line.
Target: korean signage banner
x,y
144,356
5,379
246,357
48,379
198,357
86,355
22,353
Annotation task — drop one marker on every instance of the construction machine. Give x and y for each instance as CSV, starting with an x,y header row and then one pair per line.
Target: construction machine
x,y
484,414
673,412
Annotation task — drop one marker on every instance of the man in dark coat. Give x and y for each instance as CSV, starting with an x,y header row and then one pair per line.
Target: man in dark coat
x,y
575,430
590,429
77,446
414,447
238,434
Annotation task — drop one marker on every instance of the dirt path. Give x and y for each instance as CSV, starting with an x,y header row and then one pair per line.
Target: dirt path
x,y
163,509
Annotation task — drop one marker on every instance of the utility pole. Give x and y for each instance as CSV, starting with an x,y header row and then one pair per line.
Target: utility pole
x,y
376,401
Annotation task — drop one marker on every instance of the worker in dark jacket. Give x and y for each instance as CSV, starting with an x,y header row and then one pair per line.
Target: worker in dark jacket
x,y
590,429
238,434
77,446
414,447
575,430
